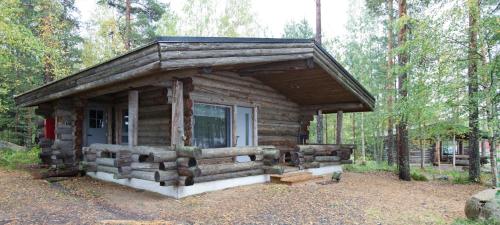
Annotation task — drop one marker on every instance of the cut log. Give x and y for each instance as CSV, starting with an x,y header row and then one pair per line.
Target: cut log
x,y
229,152
186,162
308,158
188,151
185,181
327,158
166,175
270,162
229,167
189,171
229,175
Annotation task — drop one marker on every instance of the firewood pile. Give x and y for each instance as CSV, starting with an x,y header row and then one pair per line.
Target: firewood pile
x,y
315,156
184,166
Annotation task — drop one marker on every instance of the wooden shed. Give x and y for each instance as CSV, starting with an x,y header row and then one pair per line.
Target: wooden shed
x,y
218,101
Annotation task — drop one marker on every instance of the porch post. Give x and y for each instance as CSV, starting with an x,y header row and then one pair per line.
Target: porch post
x,y
133,117
340,116
177,134
319,127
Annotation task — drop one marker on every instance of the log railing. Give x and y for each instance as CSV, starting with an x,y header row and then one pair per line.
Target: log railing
x,y
183,166
314,156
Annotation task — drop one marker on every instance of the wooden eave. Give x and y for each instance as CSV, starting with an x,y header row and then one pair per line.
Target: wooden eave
x,y
167,55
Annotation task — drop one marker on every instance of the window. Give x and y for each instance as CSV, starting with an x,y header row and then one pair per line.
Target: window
x,y
211,126
124,126
96,118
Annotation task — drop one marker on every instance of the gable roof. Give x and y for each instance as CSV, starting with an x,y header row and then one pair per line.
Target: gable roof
x,y
240,54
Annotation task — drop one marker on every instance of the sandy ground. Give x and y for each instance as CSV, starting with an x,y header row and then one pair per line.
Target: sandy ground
x,y
358,199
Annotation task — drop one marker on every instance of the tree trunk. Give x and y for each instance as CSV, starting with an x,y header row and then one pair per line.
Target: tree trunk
x,y
390,86
363,151
128,31
318,22
474,159
402,127
454,150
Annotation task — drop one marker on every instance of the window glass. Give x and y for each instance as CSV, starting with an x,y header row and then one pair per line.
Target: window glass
x,y
211,127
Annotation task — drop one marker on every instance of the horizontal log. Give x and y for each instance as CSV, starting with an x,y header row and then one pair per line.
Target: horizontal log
x,y
274,169
163,156
107,169
169,183
229,152
189,171
228,167
143,175
186,162
168,165
327,158
105,162
166,175
188,151
271,154
311,165
144,165
223,176
88,166
166,47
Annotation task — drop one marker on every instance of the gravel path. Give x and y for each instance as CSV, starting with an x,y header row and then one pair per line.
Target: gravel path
x,y
358,199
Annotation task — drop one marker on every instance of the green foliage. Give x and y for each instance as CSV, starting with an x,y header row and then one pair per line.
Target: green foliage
x,y
301,29
13,159
369,167
459,177
145,15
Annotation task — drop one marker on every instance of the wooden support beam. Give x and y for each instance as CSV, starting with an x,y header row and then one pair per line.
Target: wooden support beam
x,y
255,127
319,127
133,117
340,116
177,134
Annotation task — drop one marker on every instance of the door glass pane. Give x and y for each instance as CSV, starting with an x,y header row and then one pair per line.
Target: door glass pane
x,y
125,126
211,127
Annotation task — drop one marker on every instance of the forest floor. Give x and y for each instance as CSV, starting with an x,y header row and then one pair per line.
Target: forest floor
x,y
359,198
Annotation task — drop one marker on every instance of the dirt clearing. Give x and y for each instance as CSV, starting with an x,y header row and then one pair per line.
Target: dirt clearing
x,y
357,199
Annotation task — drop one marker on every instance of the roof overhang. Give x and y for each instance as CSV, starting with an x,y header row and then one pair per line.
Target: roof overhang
x,y
334,88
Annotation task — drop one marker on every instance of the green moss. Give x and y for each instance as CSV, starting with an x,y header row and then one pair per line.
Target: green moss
x,y
13,159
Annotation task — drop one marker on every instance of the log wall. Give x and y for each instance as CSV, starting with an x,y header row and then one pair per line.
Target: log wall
x,y
278,117
154,115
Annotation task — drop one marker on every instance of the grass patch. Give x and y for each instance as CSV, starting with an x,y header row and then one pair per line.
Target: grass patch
x,y
475,222
369,166
13,159
418,176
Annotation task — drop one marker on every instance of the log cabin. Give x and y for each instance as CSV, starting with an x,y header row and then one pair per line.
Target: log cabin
x,y
184,112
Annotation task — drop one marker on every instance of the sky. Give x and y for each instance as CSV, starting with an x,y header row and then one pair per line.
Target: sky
x,y
273,14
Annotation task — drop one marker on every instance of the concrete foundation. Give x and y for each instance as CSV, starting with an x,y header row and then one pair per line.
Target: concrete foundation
x,y
184,191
